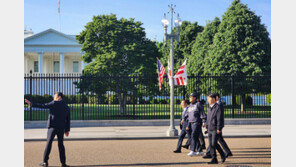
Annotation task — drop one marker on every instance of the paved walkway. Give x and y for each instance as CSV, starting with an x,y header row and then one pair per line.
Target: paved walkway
x,y
143,132
247,152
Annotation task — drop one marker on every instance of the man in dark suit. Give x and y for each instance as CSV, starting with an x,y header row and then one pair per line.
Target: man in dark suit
x,y
183,125
58,124
196,119
221,140
214,125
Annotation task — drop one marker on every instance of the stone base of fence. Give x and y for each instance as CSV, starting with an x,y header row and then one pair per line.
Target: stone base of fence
x,y
162,122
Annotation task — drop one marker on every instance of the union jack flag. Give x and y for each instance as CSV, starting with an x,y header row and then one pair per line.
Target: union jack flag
x,y
181,76
161,72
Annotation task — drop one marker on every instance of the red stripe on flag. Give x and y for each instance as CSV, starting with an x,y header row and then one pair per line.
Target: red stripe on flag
x,y
178,82
182,82
180,72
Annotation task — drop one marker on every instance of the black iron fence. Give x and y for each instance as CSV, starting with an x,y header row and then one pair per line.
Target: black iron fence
x,y
138,97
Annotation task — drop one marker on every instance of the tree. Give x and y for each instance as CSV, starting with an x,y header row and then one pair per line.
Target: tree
x,y
200,48
118,49
241,47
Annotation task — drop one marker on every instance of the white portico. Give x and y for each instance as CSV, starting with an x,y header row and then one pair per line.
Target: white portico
x,y
51,51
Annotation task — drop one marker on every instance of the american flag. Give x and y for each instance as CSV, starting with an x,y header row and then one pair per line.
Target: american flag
x,y
181,76
161,72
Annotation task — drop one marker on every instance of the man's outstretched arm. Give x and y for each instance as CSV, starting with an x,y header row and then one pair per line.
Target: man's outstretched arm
x,y
40,105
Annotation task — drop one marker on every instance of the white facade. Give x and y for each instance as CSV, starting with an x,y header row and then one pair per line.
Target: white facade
x,y
50,52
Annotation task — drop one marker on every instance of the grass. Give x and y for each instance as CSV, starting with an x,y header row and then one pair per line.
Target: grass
x,y
140,111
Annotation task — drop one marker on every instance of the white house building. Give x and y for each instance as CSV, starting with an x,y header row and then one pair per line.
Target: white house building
x,y
51,51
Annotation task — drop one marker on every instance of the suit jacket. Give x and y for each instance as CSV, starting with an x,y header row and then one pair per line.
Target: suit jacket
x,y
215,118
196,113
184,116
59,115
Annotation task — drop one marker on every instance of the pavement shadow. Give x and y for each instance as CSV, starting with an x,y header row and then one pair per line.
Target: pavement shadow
x,y
261,151
248,163
266,148
145,164
249,157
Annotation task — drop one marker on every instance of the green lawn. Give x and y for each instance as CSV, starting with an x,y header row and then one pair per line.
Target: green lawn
x,y
140,111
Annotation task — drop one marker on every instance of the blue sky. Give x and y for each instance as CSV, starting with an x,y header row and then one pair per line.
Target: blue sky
x,y
75,14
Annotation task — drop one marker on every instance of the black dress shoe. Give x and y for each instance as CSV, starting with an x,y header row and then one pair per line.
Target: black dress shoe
x,y
65,165
228,155
207,156
177,151
214,161
186,146
223,159
44,164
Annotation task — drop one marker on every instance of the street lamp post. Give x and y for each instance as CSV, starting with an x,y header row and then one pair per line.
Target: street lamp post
x,y
172,131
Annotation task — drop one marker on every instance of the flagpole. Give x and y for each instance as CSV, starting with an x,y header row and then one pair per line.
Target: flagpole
x,y
59,17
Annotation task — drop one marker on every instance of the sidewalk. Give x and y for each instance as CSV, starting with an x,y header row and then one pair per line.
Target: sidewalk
x,y
142,132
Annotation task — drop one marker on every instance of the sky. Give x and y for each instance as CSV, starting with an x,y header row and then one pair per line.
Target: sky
x,y
40,15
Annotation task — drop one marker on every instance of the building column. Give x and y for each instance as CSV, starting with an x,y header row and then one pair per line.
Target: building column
x,y
81,61
62,60
40,62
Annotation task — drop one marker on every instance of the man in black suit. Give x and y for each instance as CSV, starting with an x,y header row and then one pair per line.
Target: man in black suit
x,y
183,125
220,136
221,140
58,124
214,125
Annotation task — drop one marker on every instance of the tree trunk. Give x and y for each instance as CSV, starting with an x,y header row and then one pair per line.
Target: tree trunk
x,y
122,102
243,103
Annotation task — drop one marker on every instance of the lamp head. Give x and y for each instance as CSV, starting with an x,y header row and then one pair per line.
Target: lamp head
x,y
165,21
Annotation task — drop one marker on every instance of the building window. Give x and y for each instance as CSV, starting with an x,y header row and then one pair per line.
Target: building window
x,y
36,66
75,66
56,66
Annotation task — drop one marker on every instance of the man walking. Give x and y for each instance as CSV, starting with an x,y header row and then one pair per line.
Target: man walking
x,y
58,124
221,140
196,119
220,137
214,125
183,125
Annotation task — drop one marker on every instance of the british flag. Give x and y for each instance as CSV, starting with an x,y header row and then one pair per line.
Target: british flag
x,y
161,72
181,76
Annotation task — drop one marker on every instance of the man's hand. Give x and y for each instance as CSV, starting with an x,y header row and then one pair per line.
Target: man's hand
x,y
28,102
67,134
187,128
203,125
182,122
218,131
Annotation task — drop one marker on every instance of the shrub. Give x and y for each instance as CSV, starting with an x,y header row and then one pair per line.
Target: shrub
x,y
155,101
268,98
238,100
163,101
38,98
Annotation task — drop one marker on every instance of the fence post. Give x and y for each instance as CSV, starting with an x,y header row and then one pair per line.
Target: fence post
x,y
184,92
82,91
232,94
134,105
31,94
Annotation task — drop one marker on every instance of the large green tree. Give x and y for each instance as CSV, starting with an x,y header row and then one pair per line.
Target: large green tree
x,y
200,48
241,47
118,48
